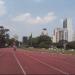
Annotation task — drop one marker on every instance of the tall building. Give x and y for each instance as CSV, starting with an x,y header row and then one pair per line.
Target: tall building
x,y
67,25
44,32
60,34
74,36
65,33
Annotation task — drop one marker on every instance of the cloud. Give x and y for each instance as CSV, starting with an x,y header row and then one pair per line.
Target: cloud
x,y
29,19
2,8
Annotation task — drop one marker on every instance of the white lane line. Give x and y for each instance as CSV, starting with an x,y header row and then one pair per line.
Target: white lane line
x,y
57,69
64,61
24,72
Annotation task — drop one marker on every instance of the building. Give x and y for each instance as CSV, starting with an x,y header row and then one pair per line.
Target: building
x,y
44,32
58,35
74,36
65,33
67,25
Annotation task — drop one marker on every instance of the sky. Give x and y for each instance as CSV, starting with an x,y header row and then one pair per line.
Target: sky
x,y
24,17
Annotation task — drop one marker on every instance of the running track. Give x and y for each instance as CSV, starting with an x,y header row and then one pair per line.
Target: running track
x,y
23,62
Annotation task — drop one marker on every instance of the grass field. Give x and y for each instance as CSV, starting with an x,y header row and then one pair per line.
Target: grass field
x,y
51,50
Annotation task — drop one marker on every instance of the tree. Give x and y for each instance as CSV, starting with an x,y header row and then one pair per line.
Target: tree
x,y
62,44
17,43
71,45
41,41
11,42
7,38
30,40
3,36
45,41
35,42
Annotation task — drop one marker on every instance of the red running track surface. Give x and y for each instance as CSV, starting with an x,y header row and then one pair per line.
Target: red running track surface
x,y
35,63
8,64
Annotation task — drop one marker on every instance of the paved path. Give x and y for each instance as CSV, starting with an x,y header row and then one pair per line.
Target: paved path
x,y
35,63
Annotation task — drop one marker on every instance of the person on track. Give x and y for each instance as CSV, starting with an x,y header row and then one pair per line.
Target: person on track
x,y
14,46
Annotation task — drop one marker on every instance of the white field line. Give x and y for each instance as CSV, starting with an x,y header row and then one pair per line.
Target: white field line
x,y
57,69
24,72
54,54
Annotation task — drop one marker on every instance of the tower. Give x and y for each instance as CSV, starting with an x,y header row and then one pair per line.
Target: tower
x,y
67,25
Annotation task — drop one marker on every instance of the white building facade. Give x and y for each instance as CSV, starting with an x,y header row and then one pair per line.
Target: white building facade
x,y
65,33
74,36
67,25
60,34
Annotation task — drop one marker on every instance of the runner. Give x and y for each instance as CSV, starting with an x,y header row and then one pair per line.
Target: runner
x,y
14,46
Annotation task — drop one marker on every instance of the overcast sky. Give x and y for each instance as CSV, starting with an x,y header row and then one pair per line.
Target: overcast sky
x,y
24,17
